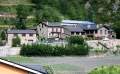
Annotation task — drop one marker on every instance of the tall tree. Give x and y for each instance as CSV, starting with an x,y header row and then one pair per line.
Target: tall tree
x,y
22,13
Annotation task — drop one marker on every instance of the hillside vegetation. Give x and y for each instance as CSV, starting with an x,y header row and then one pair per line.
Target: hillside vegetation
x,y
55,10
2,2
99,11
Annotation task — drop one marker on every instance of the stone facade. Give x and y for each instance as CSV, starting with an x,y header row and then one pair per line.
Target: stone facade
x,y
26,38
105,32
71,28
47,31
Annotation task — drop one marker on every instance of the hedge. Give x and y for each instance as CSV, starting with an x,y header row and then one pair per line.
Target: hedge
x,y
47,50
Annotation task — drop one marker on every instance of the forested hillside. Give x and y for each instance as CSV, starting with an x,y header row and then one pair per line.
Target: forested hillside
x,y
99,11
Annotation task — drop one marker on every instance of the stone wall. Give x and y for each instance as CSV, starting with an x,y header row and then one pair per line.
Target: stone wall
x,y
8,51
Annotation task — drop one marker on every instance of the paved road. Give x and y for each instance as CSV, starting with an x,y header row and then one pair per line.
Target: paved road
x,y
82,64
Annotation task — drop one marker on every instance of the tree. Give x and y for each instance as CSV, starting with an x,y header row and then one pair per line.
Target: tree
x,y
3,35
116,28
16,42
22,13
48,14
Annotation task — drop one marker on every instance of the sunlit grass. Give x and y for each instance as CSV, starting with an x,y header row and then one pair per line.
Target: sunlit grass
x,y
106,70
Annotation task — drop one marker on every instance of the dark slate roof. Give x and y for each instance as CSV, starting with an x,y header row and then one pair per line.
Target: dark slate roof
x,y
54,24
89,26
81,25
21,31
35,67
107,27
73,28
77,22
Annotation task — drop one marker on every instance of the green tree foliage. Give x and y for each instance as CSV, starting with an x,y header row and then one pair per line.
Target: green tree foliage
x,y
47,50
75,40
22,13
16,42
60,9
48,14
3,35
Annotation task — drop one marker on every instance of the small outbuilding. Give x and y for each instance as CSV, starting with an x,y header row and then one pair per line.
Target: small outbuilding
x,y
26,36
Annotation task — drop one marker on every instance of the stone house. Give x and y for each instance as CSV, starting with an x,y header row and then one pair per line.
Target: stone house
x,y
71,27
51,30
82,28
8,67
26,36
105,32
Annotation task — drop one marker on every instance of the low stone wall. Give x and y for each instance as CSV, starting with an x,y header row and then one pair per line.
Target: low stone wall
x,y
8,51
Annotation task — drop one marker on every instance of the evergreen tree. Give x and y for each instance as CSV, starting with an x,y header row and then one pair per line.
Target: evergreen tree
x,y
22,13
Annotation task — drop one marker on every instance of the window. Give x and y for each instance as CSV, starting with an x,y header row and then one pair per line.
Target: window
x,y
100,31
72,33
15,34
30,34
77,33
42,26
105,31
83,33
23,34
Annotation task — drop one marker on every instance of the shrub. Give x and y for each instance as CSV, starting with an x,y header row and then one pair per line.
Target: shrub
x,y
16,42
75,40
47,50
3,35
49,69
77,50
106,70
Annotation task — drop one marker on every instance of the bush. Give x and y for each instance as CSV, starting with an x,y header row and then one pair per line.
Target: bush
x,y
47,50
3,35
16,42
75,40
76,50
106,70
49,69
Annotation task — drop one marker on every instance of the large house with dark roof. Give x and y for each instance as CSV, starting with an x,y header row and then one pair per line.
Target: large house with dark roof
x,y
66,28
26,36
71,27
83,28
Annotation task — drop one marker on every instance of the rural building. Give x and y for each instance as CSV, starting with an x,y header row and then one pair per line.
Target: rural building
x,y
83,28
7,67
105,32
51,30
26,36
65,28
